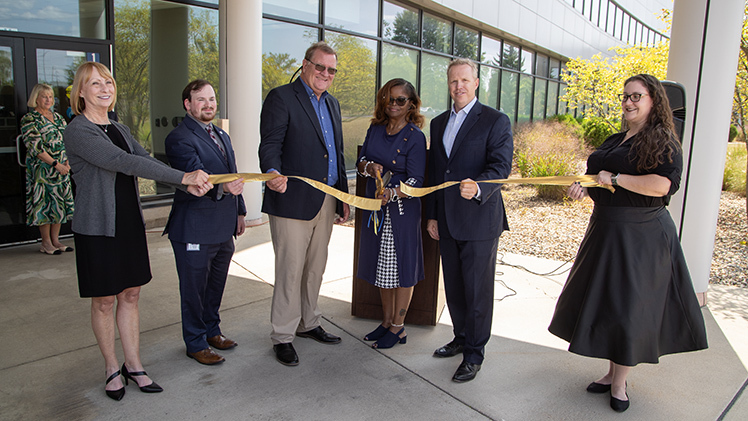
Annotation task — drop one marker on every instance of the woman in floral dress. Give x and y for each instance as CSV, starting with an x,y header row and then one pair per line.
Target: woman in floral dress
x,y
49,197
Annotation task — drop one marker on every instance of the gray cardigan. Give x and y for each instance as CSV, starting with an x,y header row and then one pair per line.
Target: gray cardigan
x,y
95,162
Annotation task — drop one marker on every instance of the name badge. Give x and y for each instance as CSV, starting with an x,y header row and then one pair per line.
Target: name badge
x,y
193,247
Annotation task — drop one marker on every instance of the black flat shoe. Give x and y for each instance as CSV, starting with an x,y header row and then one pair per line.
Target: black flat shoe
x,y
598,388
466,372
118,394
150,388
286,354
449,350
619,405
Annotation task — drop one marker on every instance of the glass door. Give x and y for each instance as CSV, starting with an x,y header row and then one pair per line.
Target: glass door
x,y
24,62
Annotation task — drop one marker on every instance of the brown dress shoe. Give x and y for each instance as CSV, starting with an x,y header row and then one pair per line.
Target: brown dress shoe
x,y
221,342
206,356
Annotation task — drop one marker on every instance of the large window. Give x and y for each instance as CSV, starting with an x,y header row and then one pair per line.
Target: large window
x,y
380,40
153,66
72,18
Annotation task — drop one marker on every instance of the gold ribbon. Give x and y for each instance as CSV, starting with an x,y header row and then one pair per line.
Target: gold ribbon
x,y
376,204
558,180
359,202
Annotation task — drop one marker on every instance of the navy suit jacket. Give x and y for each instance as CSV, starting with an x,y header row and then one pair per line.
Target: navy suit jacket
x,y
482,151
292,143
201,220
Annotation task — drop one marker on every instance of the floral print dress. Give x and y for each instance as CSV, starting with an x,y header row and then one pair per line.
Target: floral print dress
x,y
49,196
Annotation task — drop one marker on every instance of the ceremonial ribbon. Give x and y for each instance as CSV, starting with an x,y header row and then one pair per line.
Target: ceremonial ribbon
x,y
376,204
559,180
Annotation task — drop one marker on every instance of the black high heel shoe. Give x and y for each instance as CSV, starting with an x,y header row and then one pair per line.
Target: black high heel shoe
x,y
118,394
150,388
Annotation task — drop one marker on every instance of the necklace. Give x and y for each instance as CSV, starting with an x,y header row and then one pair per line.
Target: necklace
x,y
396,129
104,127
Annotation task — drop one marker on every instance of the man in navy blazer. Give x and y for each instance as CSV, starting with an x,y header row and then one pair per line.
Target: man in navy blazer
x,y
202,229
469,143
302,135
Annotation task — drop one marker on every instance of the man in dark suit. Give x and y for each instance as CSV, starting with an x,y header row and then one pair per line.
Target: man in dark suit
x,y
301,134
202,229
469,143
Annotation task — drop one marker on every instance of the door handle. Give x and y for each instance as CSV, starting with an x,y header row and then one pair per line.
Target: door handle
x,y
18,150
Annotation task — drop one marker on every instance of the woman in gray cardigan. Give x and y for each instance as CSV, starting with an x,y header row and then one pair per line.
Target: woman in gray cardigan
x,y
111,249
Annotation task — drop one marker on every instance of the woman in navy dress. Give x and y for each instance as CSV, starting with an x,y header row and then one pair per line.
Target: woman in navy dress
x,y
391,252
629,298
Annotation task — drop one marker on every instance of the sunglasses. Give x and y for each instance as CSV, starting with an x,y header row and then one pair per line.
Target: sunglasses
x,y
633,97
320,68
401,100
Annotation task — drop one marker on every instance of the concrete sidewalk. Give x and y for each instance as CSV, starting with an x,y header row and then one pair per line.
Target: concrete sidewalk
x,y
51,367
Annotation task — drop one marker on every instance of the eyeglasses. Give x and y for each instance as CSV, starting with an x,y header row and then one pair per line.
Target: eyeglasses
x,y
633,97
320,68
401,100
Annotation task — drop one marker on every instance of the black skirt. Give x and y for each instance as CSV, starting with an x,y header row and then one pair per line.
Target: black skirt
x,y
109,265
629,296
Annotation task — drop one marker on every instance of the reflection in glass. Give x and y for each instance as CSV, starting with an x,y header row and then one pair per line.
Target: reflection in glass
x,y
526,63
283,48
434,89
400,24
561,101
510,57
538,107
489,86
72,18
399,62
541,65
8,128
354,87
490,51
554,72
306,10
153,66
550,106
508,102
466,43
353,15
437,34
57,68
524,109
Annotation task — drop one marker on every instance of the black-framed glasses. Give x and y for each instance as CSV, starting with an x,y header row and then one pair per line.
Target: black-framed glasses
x,y
320,68
401,100
632,97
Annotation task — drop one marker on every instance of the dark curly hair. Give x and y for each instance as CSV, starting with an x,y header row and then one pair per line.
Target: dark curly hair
x,y
657,140
383,99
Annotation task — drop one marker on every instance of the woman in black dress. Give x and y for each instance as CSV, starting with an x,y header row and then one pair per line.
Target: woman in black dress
x,y
629,298
112,256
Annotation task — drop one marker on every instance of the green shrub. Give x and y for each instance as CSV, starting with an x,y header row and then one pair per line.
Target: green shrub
x,y
734,177
733,133
548,148
596,130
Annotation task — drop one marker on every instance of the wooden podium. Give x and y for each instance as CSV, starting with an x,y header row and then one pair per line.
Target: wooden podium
x,y
428,296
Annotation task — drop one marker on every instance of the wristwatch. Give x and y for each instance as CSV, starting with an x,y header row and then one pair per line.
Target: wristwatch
x,y
614,179
54,163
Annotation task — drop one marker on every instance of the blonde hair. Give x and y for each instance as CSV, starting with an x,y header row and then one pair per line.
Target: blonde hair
x,y
82,76
38,89
463,62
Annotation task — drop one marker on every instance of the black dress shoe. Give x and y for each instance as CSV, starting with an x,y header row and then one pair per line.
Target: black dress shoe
x,y
598,388
285,354
319,335
466,372
449,350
